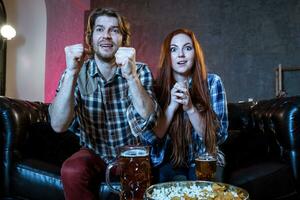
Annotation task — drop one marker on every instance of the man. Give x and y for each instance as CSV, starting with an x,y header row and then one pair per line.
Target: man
x,y
108,100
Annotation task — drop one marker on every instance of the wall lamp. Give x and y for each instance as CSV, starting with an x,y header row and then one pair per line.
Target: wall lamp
x,y
7,32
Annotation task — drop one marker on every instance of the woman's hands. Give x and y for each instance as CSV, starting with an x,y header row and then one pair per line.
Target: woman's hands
x,y
180,96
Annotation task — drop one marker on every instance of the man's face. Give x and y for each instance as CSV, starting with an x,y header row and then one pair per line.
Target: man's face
x,y
106,38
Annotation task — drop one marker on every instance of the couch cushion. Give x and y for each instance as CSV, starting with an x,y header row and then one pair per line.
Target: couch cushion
x,y
41,176
45,179
267,180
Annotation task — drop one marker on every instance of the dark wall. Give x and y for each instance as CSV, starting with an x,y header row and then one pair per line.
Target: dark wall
x,y
243,40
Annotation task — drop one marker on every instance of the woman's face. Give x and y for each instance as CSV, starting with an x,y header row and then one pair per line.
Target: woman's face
x,y
182,55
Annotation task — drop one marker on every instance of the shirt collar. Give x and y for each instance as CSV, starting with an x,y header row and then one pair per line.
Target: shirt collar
x,y
94,71
118,71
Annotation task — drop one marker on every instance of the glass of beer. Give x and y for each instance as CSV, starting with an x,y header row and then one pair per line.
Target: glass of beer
x,y
135,176
206,165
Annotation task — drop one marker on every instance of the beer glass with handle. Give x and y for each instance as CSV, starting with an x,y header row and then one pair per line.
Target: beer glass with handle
x,y
135,176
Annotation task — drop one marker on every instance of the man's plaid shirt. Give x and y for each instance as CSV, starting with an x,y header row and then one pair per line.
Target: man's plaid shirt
x,y
105,117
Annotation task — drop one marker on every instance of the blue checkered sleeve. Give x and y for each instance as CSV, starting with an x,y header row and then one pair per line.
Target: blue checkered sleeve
x,y
219,104
157,146
137,124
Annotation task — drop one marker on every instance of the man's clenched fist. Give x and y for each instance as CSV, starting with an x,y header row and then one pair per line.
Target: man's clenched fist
x,y
74,57
125,58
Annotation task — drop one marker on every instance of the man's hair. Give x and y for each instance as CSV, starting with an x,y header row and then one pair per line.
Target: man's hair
x,y
122,22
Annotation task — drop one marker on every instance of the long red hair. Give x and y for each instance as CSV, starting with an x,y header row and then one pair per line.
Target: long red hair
x,y
180,129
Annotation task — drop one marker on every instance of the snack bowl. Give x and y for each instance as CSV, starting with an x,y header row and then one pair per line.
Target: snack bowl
x,y
190,190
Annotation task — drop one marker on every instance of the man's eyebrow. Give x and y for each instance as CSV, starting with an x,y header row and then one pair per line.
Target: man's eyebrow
x,y
99,25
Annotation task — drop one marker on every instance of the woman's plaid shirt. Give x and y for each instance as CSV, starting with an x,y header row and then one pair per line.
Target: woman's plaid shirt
x,y
219,104
105,117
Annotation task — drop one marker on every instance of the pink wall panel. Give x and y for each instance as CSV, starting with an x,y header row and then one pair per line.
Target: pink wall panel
x,y
65,26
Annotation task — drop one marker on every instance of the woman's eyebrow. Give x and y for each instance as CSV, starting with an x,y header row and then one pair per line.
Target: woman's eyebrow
x,y
188,43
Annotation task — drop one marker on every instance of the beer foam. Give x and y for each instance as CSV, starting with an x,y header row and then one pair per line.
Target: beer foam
x,y
207,158
134,153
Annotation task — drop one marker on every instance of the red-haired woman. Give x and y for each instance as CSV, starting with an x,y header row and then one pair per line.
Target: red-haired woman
x,y
194,108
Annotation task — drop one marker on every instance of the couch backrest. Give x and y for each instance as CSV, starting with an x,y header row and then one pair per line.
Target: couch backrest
x,y
244,144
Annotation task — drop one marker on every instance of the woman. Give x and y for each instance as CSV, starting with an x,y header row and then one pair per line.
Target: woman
x,y
194,108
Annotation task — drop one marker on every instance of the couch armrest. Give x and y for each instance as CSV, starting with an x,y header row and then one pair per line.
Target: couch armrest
x,y
15,117
286,127
26,134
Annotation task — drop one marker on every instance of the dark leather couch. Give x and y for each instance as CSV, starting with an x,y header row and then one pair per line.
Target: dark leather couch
x,y
262,150
32,153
